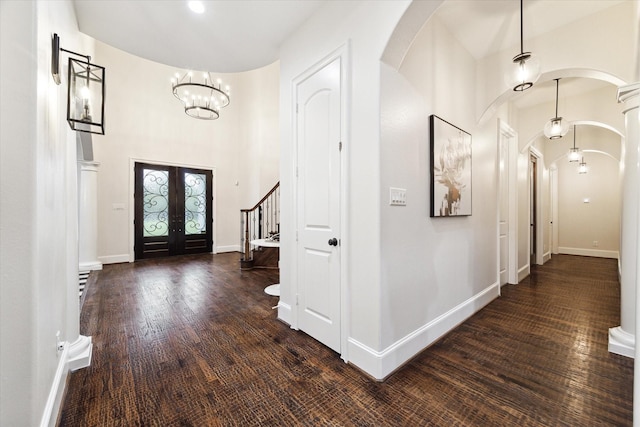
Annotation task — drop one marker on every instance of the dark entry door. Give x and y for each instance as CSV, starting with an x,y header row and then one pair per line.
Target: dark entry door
x,y
172,211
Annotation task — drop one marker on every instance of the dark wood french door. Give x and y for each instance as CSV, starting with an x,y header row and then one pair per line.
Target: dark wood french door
x,y
172,211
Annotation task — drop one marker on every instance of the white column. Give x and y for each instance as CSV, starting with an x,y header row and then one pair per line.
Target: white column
x,y
630,96
622,338
88,216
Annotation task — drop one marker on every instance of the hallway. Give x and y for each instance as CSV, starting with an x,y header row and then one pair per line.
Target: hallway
x,y
192,341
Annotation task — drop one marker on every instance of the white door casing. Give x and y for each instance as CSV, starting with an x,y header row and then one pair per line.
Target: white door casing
x,y
318,213
507,206
503,208
537,189
533,218
553,179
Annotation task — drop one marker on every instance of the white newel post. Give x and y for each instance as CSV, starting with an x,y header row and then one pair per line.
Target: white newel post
x,y
622,338
88,216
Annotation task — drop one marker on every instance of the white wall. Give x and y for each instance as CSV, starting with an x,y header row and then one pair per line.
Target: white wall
x,y
580,223
38,220
144,121
17,211
597,106
259,132
365,27
433,267
394,312
574,46
597,115
590,137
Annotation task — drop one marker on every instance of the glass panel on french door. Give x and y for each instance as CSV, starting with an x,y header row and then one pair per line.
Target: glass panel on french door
x,y
195,203
155,202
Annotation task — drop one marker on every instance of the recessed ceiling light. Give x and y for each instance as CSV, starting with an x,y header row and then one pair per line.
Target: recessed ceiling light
x,y
196,6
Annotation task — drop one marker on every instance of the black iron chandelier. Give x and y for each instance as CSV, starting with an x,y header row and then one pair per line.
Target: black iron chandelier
x,y
202,98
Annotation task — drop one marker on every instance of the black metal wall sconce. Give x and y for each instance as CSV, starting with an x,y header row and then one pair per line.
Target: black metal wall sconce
x,y
85,95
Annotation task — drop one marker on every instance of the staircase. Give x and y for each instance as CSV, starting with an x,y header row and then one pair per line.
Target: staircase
x,y
261,222
82,281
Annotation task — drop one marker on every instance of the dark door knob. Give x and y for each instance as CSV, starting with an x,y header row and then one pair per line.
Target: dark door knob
x,y
333,242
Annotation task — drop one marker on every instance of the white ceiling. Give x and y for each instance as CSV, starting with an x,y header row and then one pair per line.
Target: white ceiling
x,y
485,27
544,92
230,36
241,35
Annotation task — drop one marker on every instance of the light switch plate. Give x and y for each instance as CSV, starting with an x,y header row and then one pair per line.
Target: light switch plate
x,y
397,196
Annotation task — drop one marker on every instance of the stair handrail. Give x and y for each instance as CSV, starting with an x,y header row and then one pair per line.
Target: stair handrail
x,y
275,187
245,222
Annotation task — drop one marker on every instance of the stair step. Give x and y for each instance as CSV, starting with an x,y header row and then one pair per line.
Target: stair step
x,y
83,276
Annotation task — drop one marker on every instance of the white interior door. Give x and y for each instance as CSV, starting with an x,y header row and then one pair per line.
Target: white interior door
x,y
318,100
507,205
553,178
533,188
503,210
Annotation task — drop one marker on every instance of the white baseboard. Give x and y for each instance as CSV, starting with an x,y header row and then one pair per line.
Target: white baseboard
x,y
90,266
74,356
114,259
524,272
546,257
229,248
54,400
589,252
380,364
622,342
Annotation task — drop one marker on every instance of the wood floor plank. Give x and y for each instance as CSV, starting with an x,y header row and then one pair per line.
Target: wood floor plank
x,y
193,341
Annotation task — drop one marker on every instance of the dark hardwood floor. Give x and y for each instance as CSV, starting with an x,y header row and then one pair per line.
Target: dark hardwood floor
x,y
193,341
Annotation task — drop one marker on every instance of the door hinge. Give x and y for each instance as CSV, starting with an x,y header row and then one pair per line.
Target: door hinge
x,y
340,146
297,299
296,236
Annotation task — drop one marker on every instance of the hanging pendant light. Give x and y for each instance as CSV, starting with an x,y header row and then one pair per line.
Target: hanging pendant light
x,y
526,69
574,153
556,128
582,168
